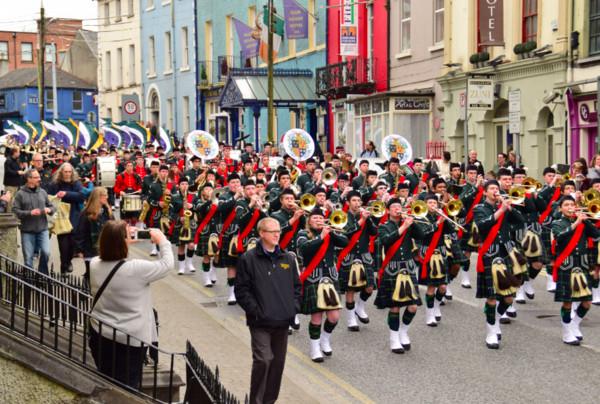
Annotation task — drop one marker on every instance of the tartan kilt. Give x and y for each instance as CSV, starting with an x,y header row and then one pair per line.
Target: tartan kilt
x,y
547,244
386,291
202,246
344,275
563,287
308,302
153,218
485,280
226,260
174,237
427,281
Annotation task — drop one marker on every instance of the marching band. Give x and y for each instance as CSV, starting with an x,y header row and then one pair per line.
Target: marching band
x,y
356,232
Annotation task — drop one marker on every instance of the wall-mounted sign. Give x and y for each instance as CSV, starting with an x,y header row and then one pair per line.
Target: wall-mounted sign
x,y
491,22
32,99
412,104
481,94
349,29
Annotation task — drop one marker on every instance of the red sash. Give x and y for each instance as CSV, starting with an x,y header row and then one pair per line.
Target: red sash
x,y
226,225
488,242
389,255
247,230
567,251
548,209
308,270
287,237
424,179
434,242
382,221
350,246
469,216
202,225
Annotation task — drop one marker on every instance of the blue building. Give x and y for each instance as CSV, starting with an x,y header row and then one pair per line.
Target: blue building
x,y
169,64
19,96
232,91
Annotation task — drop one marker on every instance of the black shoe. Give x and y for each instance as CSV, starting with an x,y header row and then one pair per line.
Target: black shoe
x,y
353,328
596,303
406,347
398,350
465,286
499,337
511,314
438,319
449,298
520,302
318,360
573,343
432,325
295,326
290,331
492,346
530,297
364,320
504,320
328,353
233,303
442,303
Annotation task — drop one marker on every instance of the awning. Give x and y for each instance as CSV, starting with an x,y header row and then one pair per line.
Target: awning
x,y
248,88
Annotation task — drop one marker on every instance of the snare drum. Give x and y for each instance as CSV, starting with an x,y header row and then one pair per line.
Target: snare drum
x,y
106,170
131,203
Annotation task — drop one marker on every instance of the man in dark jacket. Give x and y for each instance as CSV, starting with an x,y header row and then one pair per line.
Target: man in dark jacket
x,y
13,175
31,205
267,287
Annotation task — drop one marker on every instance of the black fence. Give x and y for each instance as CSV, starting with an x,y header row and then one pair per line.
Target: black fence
x,y
55,313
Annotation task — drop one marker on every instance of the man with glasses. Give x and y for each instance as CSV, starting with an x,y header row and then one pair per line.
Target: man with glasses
x,y
32,207
267,287
37,162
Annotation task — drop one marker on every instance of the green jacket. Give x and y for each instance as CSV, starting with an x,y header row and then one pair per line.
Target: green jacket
x,y
563,233
483,215
308,245
283,217
388,234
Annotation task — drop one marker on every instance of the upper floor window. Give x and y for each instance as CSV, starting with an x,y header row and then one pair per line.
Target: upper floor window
x,y
594,27
149,3
185,51
130,8
3,50
77,100
26,52
530,20
168,53
152,49
106,13
405,26
438,22
117,10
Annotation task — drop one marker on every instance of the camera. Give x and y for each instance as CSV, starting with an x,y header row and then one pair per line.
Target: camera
x,y
142,234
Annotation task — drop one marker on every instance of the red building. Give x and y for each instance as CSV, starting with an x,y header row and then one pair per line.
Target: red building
x,y
357,64
19,49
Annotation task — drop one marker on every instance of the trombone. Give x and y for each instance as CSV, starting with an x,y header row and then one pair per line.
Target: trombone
x,y
337,220
307,202
532,185
376,209
329,176
516,195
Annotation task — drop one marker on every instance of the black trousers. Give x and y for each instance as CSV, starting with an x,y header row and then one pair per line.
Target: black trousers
x,y
269,347
128,362
66,247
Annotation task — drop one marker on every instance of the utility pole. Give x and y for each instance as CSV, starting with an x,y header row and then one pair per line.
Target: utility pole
x,y
41,59
54,90
270,77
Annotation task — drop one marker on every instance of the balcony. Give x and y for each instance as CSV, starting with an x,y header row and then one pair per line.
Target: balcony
x,y
354,76
215,73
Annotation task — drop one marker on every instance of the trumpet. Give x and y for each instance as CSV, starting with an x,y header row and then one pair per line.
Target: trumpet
x,y
337,220
329,176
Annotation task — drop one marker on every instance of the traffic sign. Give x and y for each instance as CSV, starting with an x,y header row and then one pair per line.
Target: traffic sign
x,y
130,107
514,111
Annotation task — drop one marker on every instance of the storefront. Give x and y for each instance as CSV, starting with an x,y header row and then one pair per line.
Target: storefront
x,y
583,123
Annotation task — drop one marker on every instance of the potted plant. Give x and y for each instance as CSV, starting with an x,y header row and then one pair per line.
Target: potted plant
x,y
203,76
519,49
529,47
483,58
474,59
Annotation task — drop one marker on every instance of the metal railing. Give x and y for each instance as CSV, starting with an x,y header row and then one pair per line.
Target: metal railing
x,y
352,76
54,314
215,72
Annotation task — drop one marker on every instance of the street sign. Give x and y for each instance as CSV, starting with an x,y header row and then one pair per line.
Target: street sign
x,y
514,111
130,106
481,94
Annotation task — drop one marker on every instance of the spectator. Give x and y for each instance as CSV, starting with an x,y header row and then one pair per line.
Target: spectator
x,y
66,186
5,199
594,169
268,289
95,214
502,162
473,161
441,168
124,303
369,151
13,174
37,162
31,205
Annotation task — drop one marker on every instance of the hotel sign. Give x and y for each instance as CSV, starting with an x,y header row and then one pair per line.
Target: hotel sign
x,y
491,22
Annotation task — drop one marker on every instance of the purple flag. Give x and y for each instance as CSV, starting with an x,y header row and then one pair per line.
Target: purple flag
x,y
296,20
248,44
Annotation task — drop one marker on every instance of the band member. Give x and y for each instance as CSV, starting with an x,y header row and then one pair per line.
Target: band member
x,y
571,268
140,168
193,173
371,186
291,219
417,177
183,226
495,281
283,182
393,175
249,210
128,182
361,179
355,263
339,196
229,229
316,248
206,237
159,198
398,285
307,176
546,199
232,165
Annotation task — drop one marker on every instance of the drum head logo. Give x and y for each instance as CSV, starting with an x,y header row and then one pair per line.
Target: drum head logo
x,y
397,146
298,144
202,144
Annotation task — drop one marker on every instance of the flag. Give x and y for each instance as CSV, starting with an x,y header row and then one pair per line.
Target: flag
x,y
112,136
87,135
137,133
164,140
248,44
296,20
126,140
22,134
69,133
278,25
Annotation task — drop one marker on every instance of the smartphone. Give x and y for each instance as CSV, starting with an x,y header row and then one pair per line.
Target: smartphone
x,y
142,235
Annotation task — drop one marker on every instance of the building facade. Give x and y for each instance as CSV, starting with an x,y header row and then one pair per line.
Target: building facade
x,y
520,45
81,59
219,51
169,64
119,60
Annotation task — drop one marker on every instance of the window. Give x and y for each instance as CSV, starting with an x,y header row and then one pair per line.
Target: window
x,y
131,64
117,10
3,50
109,114
168,53
106,13
438,22
312,25
26,52
77,101
530,18
119,81
130,9
228,36
107,70
186,114
149,4
170,114
594,27
185,59
405,26
49,100
208,49
152,48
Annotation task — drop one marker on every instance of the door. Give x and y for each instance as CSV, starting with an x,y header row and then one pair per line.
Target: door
x,y
366,134
504,139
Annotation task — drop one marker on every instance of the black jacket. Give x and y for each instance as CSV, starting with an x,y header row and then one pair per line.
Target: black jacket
x,y
12,178
268,288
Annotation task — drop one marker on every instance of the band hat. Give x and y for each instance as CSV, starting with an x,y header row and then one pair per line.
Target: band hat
x,y
393,201
317,211
353,194
232,176
164,167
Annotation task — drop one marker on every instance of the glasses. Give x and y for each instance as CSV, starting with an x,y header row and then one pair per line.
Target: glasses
x,y
272,231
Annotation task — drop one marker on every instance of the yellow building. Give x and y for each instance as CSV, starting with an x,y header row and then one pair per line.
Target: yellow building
x,y
520,45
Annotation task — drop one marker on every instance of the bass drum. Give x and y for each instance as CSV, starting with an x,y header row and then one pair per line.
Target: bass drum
x,y
106,171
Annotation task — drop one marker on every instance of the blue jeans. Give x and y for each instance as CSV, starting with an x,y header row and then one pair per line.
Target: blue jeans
x,y
33,242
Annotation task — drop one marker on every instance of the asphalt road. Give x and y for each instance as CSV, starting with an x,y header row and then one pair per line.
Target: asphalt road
x,y
448,364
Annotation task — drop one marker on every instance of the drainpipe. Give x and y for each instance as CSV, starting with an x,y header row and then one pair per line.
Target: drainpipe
x,y
197,70
388,7
174,54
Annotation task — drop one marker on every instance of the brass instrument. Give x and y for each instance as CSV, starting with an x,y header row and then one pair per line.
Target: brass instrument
x,y
164,218
531,185
145,209
185,234
454,207
329,176
591,195
307,202
593,209
516,195
376,208
294,174
418,209
337,220
216,194
446,217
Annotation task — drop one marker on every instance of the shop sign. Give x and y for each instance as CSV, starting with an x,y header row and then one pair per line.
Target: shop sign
x,y
412,104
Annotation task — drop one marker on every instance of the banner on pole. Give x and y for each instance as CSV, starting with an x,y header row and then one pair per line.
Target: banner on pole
x,y
349,29
248,44
296,20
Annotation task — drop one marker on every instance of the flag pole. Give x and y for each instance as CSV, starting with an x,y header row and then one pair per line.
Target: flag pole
x,y
270,128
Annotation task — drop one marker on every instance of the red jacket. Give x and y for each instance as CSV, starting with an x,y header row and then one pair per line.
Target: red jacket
x,y
127,181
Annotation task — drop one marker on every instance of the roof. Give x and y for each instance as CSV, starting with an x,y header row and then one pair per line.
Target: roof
x,y
27,77
248,87
91,39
